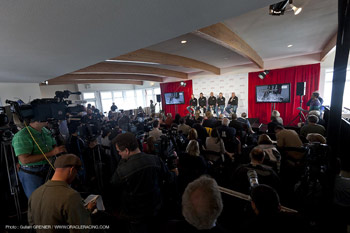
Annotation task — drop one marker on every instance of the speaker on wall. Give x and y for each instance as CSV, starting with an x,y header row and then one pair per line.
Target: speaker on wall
x,y
158,99
301,86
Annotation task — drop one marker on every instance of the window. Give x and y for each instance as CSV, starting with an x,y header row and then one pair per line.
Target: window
x,y
156,92
328,89
149,96
126,99
118,99
129,99
89,95
90,98
139,98
107,100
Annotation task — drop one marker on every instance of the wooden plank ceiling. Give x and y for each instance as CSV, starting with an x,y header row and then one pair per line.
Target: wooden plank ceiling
x,y
139,67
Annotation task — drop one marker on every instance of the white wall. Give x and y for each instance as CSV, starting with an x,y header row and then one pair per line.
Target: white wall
x,y
14,91
48,91
225,83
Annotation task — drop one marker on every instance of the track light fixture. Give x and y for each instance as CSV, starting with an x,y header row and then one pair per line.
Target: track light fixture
x,y
280,7
296,10
183,84
263,74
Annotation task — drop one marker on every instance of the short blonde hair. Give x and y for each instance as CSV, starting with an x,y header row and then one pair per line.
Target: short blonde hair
x,y
193,148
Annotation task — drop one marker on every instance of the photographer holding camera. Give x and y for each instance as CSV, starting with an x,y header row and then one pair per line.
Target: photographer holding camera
x,y
33,164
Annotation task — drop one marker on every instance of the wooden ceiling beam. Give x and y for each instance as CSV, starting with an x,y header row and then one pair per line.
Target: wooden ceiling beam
x,y
145,55
133,82
220,34
329,47
107,76
112,67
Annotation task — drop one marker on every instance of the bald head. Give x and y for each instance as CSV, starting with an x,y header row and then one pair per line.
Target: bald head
x,y
226,121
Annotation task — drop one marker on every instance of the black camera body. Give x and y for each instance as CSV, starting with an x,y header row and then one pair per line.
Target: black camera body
x,y
47,108
90,127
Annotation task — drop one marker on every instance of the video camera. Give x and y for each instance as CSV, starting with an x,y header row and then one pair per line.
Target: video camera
x,y
6,130
47,108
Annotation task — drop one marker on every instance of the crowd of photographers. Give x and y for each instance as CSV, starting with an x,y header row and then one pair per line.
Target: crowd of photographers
x,y
162,174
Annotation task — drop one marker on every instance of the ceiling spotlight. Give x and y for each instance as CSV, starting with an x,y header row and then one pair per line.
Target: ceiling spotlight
x,y
296,10
45,82
183,41
290,46
263,74
183,84
278,8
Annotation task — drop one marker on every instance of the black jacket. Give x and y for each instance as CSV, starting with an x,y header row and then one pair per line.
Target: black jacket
x,y
202,101
233,101
212,100
220,101
210,123
138,182
193,102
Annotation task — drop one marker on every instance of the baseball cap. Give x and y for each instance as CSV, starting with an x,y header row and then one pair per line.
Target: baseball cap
x,y
68,160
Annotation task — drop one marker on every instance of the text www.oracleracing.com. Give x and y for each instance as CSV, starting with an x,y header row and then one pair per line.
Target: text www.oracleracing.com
x,y
58,227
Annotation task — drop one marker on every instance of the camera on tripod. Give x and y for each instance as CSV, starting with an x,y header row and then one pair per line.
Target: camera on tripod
x,y
6,130
89,129
47,108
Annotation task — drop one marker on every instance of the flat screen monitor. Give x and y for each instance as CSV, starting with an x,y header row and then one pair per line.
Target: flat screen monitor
x,y
174,98
274,93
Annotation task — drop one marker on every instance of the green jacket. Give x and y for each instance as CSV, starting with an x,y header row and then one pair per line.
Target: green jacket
x,y
56,203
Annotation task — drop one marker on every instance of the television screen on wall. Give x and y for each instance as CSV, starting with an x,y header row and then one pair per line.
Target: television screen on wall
x,y
174,98
274,93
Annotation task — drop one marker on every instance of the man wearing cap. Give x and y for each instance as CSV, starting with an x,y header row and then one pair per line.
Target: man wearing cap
x,y
55,202
33,165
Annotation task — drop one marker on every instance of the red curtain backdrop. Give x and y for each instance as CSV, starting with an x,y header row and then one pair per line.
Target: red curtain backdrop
x,y
176,87
307,73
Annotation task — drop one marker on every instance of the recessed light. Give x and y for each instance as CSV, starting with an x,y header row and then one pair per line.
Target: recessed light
x,y
290,46
183,41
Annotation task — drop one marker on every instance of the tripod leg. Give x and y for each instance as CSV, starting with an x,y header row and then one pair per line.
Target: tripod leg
x,y
296,117
13,184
